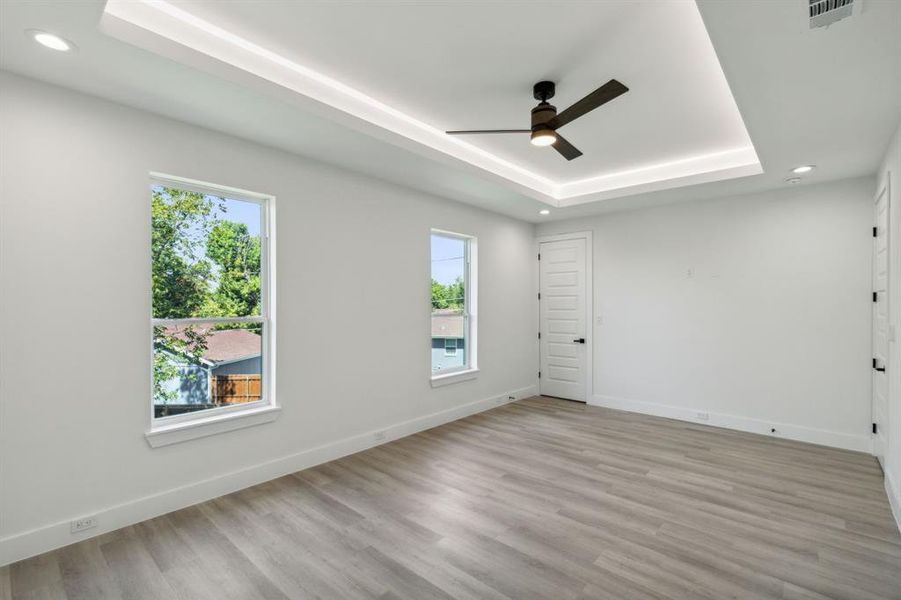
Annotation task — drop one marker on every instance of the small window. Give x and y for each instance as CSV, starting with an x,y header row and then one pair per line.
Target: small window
x,y
210,313
453,302
450,347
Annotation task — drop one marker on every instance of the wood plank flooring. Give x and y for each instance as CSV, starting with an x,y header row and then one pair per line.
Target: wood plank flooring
x,y
542,498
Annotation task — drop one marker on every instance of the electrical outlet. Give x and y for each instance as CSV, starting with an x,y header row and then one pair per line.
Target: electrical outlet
x,y
702,416
83,523
380,436
511,398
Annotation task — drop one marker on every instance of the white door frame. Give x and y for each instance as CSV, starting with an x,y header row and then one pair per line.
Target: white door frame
x,y
891,376
589,303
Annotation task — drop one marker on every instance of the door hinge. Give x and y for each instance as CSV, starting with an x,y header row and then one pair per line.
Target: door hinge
x,y
875,296
875,232
539,335
539,295
539,256
874,428
539,374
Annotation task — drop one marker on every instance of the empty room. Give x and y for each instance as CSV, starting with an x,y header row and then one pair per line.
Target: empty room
x,y
451,299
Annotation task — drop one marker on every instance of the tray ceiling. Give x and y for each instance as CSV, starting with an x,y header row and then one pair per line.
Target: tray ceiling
x,y
416,71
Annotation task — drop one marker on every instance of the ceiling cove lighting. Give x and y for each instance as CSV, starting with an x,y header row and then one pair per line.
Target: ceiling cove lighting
x,y
49,40
803,169
192,34
544,212
168,20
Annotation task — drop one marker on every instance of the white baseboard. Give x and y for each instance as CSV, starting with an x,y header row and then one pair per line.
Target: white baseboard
x,y
43,539
836,439
894,498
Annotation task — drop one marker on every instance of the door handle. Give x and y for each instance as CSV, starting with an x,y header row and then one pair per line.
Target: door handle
x,y
880,369
582,341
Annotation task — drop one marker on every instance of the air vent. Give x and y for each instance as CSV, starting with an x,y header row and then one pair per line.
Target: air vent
x,y
823,13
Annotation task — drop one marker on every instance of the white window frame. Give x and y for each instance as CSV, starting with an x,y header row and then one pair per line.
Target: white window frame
x,y
163,431
470,369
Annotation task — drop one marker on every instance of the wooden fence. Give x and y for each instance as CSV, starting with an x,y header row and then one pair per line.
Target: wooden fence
x,y
236,389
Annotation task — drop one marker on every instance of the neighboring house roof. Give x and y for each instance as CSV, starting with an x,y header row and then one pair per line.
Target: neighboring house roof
x,y
224,345
231,344
447,324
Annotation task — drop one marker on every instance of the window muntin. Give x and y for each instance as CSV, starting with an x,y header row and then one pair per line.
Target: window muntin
x,y
452,302
210,304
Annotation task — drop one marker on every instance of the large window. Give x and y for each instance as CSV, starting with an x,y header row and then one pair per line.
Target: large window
x,y
453,303
210,303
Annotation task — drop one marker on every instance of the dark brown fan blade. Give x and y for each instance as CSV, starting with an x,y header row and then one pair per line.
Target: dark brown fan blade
x,y
488,131
600,96
568,151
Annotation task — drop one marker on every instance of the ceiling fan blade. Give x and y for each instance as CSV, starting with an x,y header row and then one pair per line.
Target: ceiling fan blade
x,y
466,132
600,96
568,151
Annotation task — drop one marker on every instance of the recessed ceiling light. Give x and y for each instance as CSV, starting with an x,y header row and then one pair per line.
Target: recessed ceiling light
x,y
49,40
793,180
544,211
804,169
543,137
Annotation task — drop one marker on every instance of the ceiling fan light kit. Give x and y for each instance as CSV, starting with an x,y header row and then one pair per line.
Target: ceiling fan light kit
x,y
546,121
543,137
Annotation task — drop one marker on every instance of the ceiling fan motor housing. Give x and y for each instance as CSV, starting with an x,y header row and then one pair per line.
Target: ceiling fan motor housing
x,y
544,112
541,114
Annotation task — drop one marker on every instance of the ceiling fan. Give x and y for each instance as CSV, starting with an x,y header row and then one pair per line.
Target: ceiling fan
x,y
546,121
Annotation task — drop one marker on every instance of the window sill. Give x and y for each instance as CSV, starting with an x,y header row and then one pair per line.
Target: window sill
x,y
198,428
456,377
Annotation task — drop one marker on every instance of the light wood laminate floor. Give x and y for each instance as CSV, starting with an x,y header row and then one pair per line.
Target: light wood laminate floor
x,y
539,499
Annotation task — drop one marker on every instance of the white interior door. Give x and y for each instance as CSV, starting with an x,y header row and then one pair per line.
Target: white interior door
x,y
880,325
563,319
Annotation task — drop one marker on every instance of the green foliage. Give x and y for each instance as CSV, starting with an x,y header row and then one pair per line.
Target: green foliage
x,y
237,255
187,344
180,222
164,367
439,296
451,296
203,266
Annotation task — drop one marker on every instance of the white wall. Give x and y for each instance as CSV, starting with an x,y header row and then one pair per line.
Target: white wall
x,y
891,170
771,328
353,264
